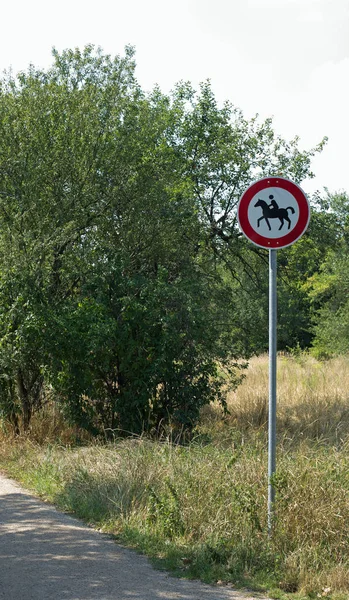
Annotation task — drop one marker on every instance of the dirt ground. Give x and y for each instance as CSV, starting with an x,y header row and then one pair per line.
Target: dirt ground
x,y
48,555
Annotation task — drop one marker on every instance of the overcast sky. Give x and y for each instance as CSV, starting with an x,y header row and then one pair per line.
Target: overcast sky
x,y
283,58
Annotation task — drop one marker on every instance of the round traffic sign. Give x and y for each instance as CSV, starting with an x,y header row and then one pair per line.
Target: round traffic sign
x,y
273,212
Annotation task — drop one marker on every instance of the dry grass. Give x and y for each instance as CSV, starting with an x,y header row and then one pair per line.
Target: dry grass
x,y
312,397
202,508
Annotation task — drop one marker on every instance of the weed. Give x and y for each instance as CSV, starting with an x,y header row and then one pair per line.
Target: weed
x,y
164,510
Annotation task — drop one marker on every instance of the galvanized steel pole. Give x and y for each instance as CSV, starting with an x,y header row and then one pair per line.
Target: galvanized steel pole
x,y
272,383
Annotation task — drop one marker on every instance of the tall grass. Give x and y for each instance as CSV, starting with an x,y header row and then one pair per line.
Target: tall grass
x,y
201,508
312,399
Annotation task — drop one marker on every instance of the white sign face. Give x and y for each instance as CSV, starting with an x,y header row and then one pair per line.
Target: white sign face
x,y
273,213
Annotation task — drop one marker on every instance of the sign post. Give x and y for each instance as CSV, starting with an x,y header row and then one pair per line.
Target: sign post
x,y
273,213
272,382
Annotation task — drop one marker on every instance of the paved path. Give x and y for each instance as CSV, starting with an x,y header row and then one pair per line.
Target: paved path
x,y
47,555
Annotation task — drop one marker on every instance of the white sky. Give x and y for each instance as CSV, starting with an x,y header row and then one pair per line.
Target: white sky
x,y
283,58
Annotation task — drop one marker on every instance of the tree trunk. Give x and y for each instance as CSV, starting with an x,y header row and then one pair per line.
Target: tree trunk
x,y
24,399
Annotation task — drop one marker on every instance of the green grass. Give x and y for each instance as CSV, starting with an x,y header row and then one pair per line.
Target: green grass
x,y
200,510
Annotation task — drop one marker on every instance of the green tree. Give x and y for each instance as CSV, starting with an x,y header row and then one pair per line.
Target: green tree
x,y
119,246
56,134
223,153
328,287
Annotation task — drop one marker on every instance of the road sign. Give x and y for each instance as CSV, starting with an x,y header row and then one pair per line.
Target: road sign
x,y
273,212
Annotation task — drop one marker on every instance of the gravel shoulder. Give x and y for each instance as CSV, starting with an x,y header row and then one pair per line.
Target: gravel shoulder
x,y
48,555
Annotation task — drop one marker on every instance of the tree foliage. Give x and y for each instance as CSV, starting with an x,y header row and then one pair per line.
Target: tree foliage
x,y
126,290
328,287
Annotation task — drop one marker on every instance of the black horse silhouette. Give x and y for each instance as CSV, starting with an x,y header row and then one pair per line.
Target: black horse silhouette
x,y
274,213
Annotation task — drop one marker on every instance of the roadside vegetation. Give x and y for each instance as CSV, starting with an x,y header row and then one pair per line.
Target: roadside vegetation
x,y
129,305
199,508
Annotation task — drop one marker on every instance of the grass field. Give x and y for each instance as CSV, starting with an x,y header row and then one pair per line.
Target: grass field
x,y
200,509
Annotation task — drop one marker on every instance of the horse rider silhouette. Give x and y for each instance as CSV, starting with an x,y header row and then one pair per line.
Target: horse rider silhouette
x,y
272,211
273,203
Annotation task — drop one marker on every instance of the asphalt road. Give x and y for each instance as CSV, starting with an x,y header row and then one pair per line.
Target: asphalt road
x,y
48,555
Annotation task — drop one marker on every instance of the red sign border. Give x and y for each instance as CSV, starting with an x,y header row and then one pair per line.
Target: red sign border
x,y
297,231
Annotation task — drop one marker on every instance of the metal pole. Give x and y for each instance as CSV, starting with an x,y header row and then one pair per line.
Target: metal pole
x,y
272,383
